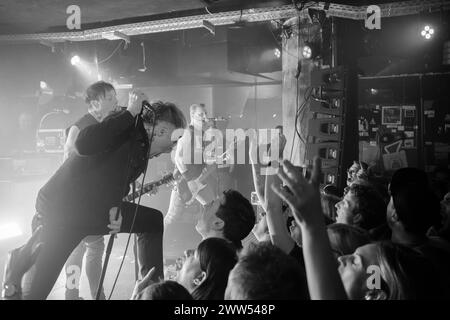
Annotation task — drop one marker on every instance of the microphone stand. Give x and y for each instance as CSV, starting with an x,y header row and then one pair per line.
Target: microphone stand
x,y
111,238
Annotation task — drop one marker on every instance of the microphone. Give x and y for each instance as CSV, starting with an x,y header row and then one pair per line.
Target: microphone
x,y
58,110
148,112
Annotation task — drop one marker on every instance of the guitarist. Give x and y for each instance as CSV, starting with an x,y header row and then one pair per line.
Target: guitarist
x,y
190,166
84,194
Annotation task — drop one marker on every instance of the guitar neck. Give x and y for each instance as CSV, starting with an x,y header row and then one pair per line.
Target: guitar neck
x,y
147,188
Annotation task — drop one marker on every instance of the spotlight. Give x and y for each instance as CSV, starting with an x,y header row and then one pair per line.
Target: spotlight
x,y
75,60
307,52
277,53
43,85
427,32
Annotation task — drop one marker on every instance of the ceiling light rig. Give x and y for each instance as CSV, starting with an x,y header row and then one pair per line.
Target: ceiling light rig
x,y
229,18
427,32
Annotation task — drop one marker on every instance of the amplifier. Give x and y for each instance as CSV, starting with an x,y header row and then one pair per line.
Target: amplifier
x,y
51,140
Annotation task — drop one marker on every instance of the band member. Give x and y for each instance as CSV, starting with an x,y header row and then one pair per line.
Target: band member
x,y
101,98
190,165
84,194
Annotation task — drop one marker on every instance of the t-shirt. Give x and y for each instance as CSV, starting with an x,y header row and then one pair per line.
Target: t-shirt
x,y
83,122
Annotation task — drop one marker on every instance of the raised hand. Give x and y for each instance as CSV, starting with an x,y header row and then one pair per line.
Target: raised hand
x,y
305,198
143,283
135,100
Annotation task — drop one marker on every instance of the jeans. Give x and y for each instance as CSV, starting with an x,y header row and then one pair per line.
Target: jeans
x,y
60,240
93,246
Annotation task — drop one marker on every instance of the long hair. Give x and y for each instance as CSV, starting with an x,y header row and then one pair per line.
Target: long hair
x,y
217,258
345,239
406,274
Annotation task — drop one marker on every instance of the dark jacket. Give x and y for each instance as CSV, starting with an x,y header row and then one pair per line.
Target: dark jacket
x,y
86,186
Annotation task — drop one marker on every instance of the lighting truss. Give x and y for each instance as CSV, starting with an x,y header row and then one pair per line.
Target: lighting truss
x,y
230,17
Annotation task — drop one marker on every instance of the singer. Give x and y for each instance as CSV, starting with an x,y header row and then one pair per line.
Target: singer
x,y
81,198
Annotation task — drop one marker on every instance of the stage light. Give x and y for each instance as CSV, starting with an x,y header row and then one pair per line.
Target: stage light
x,y
307,52
43,85
277,53
427,32
9,230
75,60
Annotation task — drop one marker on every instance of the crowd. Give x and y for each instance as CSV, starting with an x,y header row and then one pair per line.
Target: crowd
x,y
375,241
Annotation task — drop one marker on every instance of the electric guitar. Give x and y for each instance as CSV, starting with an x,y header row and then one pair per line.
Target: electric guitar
x,y
196,189
149,187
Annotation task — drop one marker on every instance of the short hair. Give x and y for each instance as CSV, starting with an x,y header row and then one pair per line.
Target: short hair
x,y
97,90
265,272
238,216
345,239
408,177
217,257
164,111
165,290
194,106
370,205
417,208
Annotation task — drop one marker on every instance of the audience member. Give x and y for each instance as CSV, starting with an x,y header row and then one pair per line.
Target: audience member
x,y
165,290
264,272
204,274
344,238
229,217
362,206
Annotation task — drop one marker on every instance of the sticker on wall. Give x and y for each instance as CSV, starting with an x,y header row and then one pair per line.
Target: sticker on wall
x,y
410,111
391,115
395,161
393,147
408,143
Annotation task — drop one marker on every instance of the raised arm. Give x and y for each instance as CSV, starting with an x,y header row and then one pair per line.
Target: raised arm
x,y
324,282
99,137
69,146
275,220
258,179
